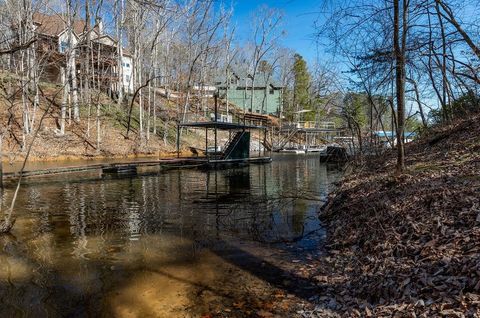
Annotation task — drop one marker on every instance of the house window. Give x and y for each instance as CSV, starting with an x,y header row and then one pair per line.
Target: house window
x,y
128,65
64,46
271,91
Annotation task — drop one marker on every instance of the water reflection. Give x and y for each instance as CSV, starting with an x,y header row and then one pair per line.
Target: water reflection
x,y
88,246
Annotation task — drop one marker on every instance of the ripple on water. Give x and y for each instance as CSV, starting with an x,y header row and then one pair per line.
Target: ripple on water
x,y
95,243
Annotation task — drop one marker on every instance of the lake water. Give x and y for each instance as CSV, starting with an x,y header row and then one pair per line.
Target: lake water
x,y
172,244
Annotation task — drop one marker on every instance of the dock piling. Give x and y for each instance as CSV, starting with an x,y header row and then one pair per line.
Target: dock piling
x,y
216,119
178,141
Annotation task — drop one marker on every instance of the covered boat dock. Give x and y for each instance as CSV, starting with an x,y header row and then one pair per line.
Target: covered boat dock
x,y
236,150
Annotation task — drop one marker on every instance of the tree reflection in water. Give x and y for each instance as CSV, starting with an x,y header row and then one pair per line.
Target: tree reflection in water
x,y
80,245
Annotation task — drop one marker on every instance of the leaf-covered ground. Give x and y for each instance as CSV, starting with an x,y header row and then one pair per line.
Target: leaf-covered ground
x,y
409,245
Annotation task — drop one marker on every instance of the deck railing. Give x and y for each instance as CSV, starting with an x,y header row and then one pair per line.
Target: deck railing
x,y
310,125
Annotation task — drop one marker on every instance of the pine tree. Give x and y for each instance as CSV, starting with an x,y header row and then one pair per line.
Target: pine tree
x,y
301,98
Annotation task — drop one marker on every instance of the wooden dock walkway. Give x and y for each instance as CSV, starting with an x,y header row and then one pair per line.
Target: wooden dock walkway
x,y
131,167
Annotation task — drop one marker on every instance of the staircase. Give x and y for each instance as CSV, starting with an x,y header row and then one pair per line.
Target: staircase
x,y
268,146
283,142
231,144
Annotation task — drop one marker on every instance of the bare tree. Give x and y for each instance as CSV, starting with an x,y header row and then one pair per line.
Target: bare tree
x,y
450,17
203,36
427,44
266,34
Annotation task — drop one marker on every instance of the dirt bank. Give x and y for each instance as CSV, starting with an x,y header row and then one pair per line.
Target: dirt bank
x,y
407,246
111,131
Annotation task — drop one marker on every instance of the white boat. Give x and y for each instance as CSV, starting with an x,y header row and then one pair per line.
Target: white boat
x,y
316,149
212,149
295,151
303,150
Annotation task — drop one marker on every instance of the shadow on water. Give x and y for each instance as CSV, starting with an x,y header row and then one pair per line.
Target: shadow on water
x,y
179,241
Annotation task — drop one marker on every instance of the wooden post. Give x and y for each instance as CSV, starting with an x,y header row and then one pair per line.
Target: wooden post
x,y
216,120
307,145
206,143
215,152
264,140
215,96
178,141
259,145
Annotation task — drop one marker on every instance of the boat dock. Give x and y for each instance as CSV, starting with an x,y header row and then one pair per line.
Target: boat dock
x,y
234,152
120,168
307,136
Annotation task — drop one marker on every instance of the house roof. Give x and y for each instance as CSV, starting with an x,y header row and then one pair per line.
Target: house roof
x,y
108,37
126,52
392,134
54,25
219,125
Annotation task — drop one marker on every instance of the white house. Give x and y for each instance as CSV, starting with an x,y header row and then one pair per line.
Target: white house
x,y
64,43
205,90
127,71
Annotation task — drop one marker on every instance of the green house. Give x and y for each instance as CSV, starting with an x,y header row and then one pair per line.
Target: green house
x,y
265,99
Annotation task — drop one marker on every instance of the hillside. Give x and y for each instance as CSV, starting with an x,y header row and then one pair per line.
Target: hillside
x,y
408,246
80,138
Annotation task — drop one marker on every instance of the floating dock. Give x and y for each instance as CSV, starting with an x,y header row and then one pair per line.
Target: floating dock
x,y
129,168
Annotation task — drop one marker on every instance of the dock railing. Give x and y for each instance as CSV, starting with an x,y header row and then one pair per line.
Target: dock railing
x,y
206,116
327,125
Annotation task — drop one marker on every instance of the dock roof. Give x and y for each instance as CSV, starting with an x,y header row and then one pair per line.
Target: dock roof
x,y
219,125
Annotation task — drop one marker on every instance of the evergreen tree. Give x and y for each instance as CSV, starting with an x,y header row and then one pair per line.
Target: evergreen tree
x,y
301,97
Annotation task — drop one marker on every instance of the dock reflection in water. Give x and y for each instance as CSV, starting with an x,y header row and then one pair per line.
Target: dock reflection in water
x,y
150,245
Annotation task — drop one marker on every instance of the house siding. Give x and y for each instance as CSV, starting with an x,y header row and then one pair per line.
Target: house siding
x,y
263,101
53,44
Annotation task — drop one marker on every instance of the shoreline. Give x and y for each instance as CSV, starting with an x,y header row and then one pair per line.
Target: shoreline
x,y
59,162
399,244
20,159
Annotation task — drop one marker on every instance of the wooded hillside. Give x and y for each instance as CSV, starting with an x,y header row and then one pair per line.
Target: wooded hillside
x,y
408,245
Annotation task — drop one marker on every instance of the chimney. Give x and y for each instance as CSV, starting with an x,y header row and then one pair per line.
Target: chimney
x,y
100,26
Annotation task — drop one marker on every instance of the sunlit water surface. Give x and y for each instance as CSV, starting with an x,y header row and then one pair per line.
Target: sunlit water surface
x,y
148,245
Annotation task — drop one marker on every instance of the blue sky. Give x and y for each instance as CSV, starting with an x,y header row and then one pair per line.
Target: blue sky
x,y
299,19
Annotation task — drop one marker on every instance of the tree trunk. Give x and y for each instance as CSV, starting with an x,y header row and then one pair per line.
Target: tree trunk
x,y
74,90
119,22
149,108
63,107
154,108
419,103
98,127
1,168
399,79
